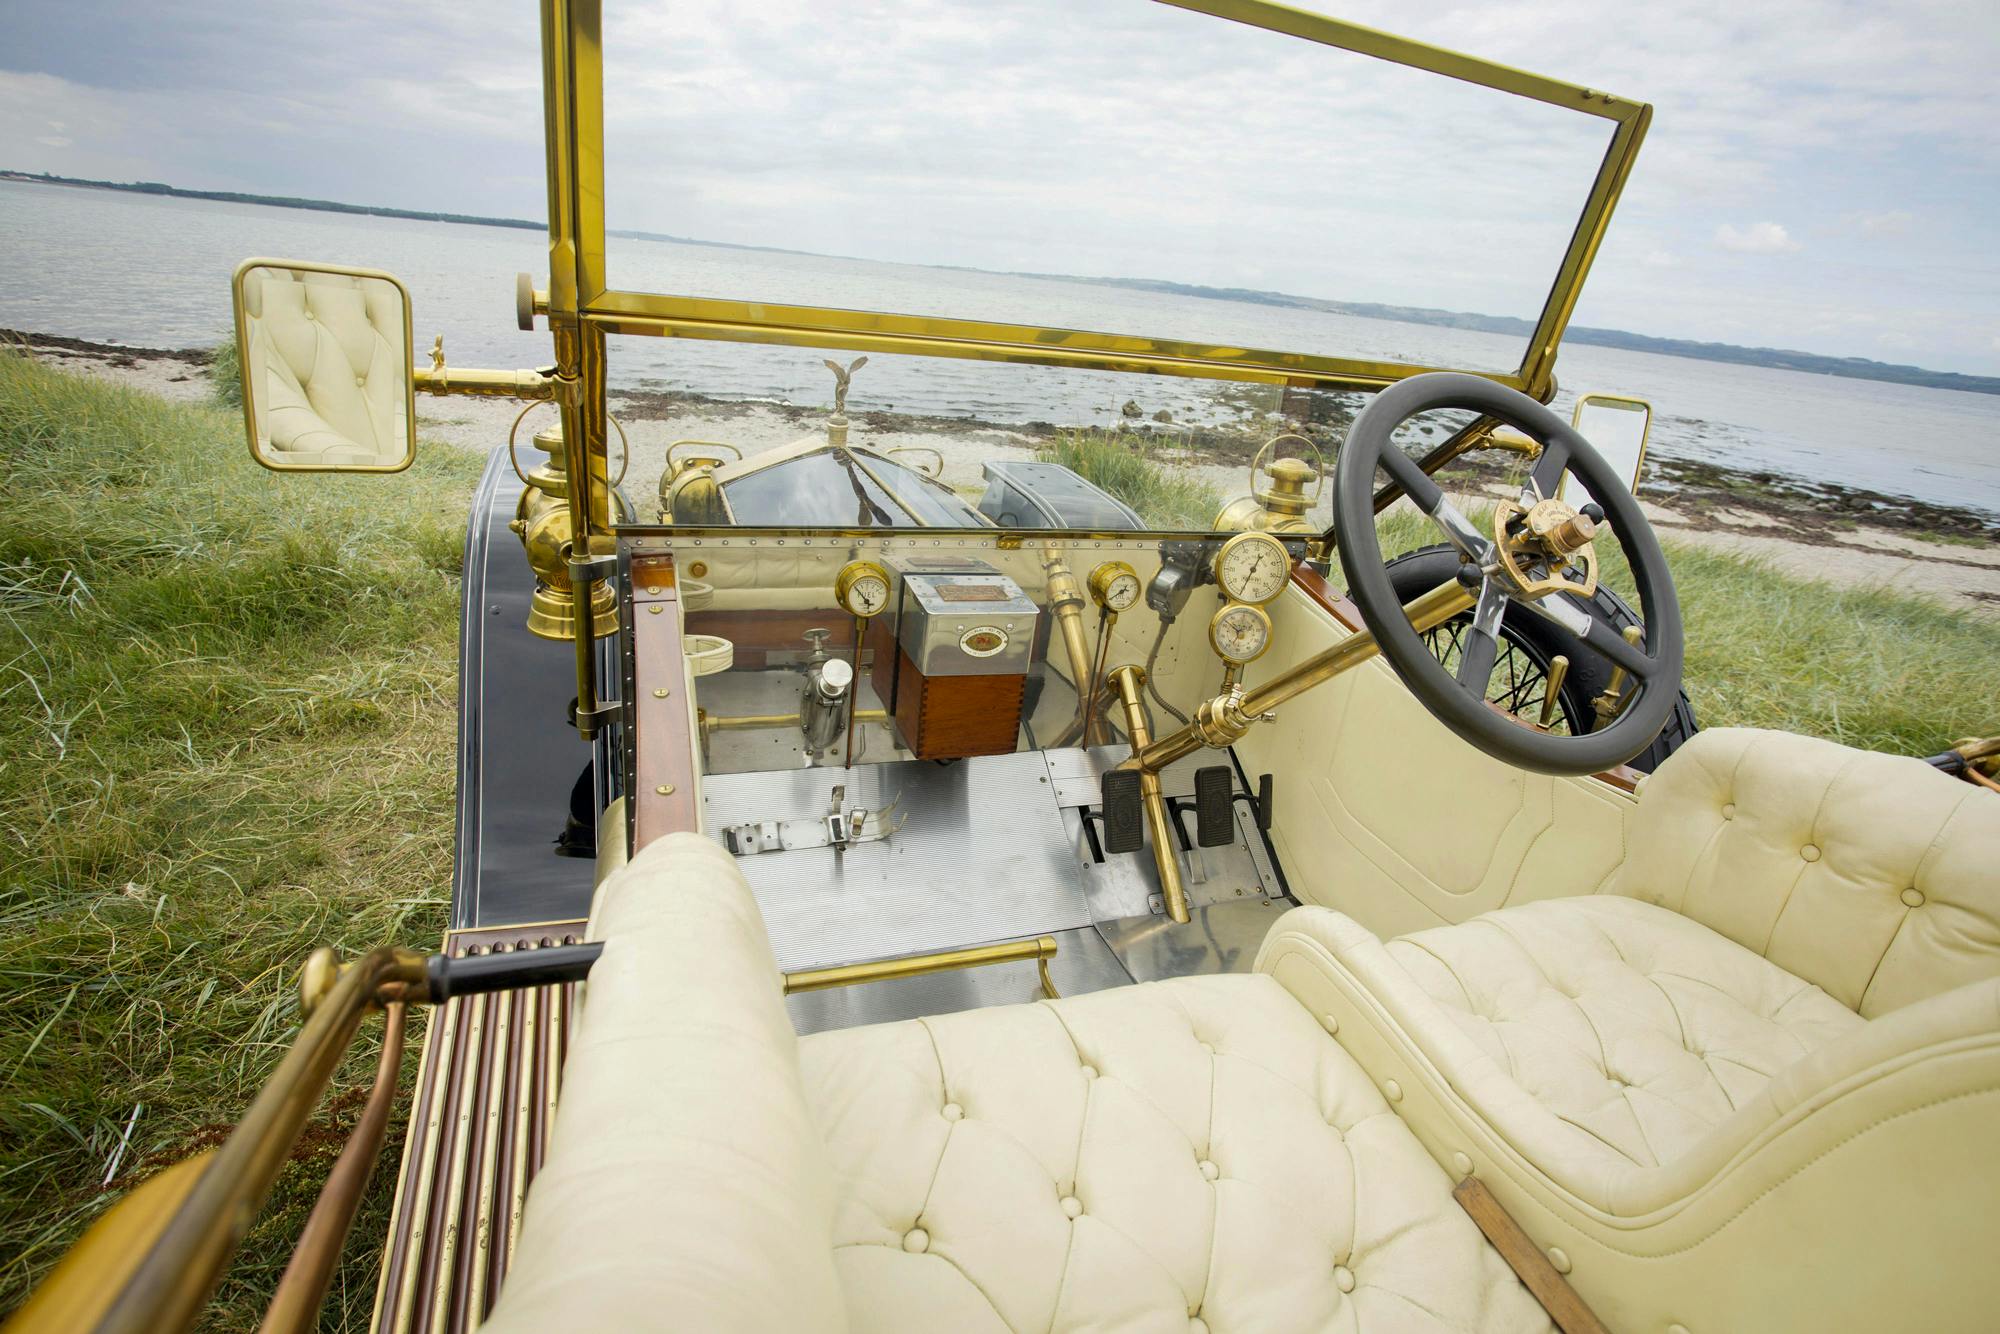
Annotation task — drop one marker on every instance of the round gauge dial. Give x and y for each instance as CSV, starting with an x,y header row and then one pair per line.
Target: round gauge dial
x,y
1252,567
1240,633
1115,585
862,588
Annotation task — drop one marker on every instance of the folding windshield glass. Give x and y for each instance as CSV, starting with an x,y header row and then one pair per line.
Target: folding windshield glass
x,y
1007,206
1125,167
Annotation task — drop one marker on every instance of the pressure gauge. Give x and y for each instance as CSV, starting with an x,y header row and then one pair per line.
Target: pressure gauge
x,y
1240,632
1115,585
1252,567
862,588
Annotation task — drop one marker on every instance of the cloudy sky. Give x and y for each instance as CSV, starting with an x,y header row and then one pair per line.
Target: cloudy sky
x,y
1819,175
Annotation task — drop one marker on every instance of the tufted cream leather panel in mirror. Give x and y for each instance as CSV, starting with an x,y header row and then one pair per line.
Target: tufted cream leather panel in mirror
x,y
325,358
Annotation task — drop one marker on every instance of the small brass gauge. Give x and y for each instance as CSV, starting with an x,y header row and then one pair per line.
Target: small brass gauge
x,y
1240,632
1253,568
1115,585
862,588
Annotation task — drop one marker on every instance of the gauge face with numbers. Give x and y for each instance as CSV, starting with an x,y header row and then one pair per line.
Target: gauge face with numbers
x,y
1240,633
862,588
1115,585
1252,567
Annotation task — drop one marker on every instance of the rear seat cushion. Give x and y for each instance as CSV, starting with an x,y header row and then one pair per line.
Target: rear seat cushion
x,y
1187,1155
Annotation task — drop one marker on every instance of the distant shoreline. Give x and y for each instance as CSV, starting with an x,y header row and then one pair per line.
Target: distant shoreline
x,y
1812,363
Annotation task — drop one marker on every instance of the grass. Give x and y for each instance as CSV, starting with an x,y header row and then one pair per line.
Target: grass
x,y
1129,468
1865,666
225,375
227,738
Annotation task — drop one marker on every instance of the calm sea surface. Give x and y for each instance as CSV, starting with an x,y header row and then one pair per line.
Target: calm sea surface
x,y
154,271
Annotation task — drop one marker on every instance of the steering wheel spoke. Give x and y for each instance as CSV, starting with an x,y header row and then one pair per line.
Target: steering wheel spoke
x,y
1549,468
1634,659
1479,648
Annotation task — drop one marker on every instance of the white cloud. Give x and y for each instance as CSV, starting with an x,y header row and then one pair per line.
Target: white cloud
x,y
1757,238
1659,259
1893,223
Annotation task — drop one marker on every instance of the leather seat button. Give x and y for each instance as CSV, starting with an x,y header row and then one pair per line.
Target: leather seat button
x,y
1461,1164
1729,810
360,381
1810,852
1677,1328
1332,1024
1072,1207
1392,1091
1090,1072
1207,1048
916,1241
1343,1278
1196,1325
1209,1171
1913,897
1559,1259
952,1111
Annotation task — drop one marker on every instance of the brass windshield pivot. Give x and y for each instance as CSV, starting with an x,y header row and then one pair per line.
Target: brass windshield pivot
x,y
1127,681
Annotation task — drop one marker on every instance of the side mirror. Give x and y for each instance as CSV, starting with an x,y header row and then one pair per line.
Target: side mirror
x,y
324,353
1618,427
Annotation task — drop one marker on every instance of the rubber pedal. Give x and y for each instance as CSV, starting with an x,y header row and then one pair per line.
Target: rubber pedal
x,y
1214,813
1124,821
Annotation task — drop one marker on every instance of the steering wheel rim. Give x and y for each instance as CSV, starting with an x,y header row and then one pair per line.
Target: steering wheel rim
x,y
1654,664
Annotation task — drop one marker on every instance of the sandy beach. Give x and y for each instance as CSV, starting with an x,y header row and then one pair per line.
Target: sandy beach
x,y
1813,532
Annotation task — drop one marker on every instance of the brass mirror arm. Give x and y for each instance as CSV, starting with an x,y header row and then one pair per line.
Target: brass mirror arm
x,y
484,383
1223,720
169,1284
1127,681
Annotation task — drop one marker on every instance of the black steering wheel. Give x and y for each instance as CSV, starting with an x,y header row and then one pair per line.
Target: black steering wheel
x,y
1520,567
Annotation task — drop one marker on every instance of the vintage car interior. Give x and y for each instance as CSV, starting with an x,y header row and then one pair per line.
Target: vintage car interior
x,y
893,902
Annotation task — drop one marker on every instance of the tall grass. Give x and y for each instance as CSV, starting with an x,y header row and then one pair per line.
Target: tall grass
x,y
226,738
225,374
1129,467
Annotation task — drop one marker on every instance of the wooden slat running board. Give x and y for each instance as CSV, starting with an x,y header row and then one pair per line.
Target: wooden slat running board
x,y
479,1125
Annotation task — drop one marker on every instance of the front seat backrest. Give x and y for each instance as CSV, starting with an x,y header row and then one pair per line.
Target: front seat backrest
x,y
1874,876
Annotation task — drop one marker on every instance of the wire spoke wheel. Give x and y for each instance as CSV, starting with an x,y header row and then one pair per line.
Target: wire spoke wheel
x,y
1520,679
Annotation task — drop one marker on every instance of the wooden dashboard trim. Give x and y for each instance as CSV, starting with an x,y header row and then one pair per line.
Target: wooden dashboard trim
x,y
1337,605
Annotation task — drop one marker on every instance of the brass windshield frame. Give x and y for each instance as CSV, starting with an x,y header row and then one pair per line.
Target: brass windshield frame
x,y
583,308
580,292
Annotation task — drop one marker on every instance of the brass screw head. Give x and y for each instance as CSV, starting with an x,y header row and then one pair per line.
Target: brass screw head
x,y
655,609
665,789
661,693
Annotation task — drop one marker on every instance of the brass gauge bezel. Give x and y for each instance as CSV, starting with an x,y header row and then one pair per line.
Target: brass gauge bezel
x,y
1226,609
1109,573
851,574
1284,558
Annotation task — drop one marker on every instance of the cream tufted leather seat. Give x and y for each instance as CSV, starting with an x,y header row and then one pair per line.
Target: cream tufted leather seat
x,y
1753,1085
329,365
1182,1156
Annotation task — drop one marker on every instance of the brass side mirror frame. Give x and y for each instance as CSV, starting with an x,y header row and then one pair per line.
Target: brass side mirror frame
x,y
324,355
1617,427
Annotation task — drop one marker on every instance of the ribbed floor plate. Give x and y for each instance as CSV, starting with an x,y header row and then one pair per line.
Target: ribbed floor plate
x,y
983,854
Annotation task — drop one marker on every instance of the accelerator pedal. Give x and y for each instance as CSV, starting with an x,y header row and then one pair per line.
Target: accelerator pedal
x,y
1124,823
1214,816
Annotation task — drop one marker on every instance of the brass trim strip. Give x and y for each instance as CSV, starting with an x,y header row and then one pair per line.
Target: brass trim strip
x,y
1040,948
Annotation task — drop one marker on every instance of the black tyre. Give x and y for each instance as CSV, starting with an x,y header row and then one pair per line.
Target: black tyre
x,y
1528,644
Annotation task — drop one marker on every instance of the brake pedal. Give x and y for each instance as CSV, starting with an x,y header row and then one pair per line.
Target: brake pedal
x,y
1214,816
1124,823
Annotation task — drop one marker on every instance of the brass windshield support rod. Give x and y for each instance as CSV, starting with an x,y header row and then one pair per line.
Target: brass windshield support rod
x,y
1222,721
1128,680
